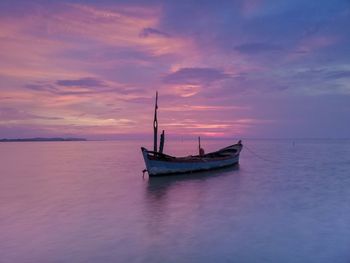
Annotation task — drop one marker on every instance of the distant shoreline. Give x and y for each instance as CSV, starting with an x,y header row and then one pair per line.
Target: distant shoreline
x,y
43,140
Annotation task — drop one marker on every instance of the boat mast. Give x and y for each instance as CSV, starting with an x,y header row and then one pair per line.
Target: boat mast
x,y
155,125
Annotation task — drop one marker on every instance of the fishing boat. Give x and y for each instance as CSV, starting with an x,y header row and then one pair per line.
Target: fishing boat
x,y
159,164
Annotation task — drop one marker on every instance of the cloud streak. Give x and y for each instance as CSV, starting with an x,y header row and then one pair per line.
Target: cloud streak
x,y
147,32
258,48
83,82
195,76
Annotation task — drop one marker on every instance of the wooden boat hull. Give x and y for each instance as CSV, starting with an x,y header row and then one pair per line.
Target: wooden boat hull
x,y
160,164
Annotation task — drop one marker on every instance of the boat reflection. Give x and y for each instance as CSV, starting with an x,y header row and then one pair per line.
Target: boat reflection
x,y
158,186
177,198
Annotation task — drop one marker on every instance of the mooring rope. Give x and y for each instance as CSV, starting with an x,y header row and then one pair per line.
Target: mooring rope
x,y
258,155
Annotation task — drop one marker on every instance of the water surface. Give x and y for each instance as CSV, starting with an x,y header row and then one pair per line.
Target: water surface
x,y
88,202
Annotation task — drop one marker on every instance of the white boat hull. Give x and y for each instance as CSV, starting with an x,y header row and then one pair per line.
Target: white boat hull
x,y
156,167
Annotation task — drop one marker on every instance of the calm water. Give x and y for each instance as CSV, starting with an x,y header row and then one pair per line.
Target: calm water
x,y
88,202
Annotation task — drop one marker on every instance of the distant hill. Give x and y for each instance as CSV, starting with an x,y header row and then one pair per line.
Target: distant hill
x,y
43,140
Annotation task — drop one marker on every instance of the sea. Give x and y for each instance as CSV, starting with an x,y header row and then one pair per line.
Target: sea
x,y
88,201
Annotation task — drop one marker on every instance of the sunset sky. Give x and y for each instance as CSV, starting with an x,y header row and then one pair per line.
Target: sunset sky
x,y
245,68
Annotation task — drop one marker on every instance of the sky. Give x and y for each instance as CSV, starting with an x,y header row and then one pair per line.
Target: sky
x,y
223,69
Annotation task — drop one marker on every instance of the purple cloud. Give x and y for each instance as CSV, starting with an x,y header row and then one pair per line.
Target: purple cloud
x,y
195,76
338,74
42,87
257,48
148,31
82,86
83,82
7,113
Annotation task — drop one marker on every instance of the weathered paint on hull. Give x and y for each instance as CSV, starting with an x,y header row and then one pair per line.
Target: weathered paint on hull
x,y
158,168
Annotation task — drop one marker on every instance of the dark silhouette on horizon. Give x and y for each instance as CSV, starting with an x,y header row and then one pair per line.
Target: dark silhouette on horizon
x,y
39,139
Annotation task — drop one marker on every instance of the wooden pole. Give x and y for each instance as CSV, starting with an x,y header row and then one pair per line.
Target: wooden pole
x,y
161,143
199,145
155,125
